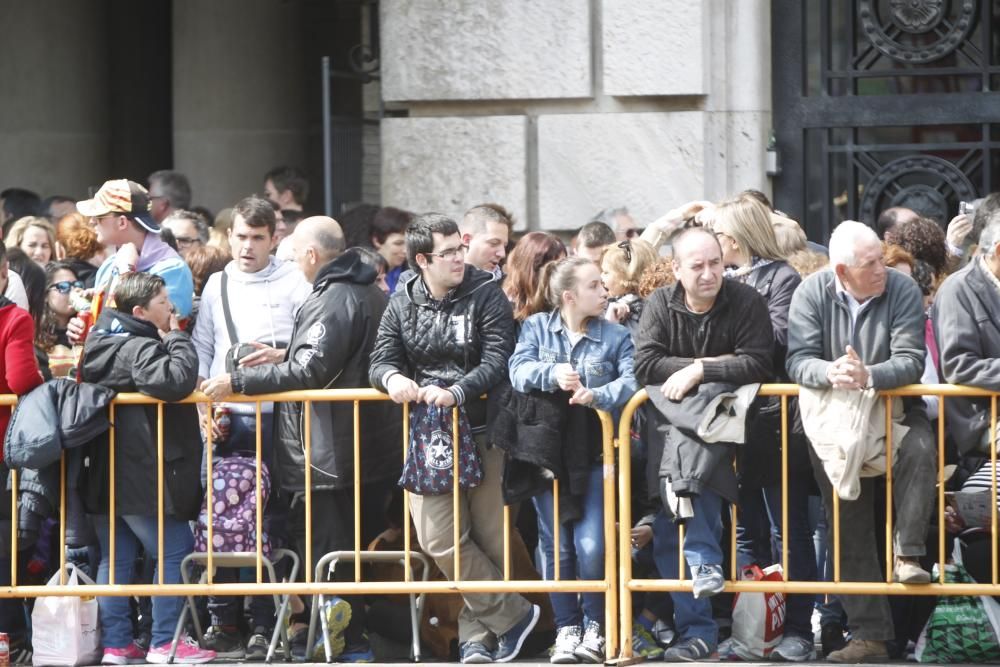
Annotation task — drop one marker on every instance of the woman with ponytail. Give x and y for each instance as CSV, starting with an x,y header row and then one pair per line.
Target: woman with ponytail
x,y
574,357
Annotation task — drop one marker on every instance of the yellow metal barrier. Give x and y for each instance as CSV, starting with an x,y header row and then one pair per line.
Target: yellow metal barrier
x,y
628,585
608,585
618,584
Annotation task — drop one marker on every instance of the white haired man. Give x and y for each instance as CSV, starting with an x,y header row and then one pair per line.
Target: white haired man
x,y
859,325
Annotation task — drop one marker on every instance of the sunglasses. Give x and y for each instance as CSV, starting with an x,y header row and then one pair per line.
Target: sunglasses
x,y
627,249
631,233
64,286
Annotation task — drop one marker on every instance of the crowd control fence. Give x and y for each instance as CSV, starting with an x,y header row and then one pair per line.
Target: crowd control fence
x,y
618,584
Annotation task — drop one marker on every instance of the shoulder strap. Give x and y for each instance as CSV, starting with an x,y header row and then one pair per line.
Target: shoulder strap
x,y
230,327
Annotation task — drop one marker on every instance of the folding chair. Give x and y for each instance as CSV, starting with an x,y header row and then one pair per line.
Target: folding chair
x,y
325,568
231,559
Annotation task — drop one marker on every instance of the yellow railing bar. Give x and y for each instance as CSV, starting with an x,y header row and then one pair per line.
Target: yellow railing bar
x,y
159,493
307,408
611,629
258,493
456,495
940,468
993,481
111,494
406,496
888,490
62,518
210,493
357,491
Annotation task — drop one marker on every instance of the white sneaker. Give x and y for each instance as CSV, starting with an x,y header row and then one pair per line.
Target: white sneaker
x,y
564,650
591,647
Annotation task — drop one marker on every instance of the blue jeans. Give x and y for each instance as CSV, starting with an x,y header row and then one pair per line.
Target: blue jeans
x,y
131,531
801,550
581,551
831,611
702,535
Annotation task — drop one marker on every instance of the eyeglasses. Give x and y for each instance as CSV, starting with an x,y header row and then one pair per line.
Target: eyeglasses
x,y
186,240
449,253
64,286
626,247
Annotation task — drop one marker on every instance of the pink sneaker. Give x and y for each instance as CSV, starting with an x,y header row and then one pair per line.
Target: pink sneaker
x,y
188,652
130,655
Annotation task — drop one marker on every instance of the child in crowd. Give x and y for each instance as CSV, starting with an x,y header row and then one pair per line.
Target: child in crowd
x,y
572,349
137,345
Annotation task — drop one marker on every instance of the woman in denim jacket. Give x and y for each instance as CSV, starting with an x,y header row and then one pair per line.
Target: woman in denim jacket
x,y
574,350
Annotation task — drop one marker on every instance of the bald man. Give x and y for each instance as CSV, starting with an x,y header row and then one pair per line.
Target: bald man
x,y
330,345
703,329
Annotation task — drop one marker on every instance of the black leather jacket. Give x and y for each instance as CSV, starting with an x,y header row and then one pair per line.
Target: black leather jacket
x,y
330,345
463,341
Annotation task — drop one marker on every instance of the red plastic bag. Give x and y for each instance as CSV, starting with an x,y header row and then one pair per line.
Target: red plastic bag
x,y
759,618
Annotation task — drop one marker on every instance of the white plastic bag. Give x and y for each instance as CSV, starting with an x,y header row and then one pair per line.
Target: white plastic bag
x,y
759,618
64,628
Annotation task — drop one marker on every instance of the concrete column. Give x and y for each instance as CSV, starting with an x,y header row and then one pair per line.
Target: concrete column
x,y
54,109
239,95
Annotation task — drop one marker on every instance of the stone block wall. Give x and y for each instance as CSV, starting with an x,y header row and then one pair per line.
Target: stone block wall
x,y
561,108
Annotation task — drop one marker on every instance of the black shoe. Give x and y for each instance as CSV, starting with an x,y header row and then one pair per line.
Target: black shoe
x,y
298,642
144,640
509,643
225,644
832,638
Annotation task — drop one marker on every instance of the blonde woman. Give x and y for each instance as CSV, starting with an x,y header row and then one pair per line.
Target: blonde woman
x,y
621,268
743,227
36,237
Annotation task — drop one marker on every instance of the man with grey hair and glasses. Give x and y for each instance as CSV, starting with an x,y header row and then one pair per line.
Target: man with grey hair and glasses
x,y
620,220
859,326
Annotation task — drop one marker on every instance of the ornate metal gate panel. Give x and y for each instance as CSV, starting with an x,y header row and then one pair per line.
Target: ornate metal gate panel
x,y
880,103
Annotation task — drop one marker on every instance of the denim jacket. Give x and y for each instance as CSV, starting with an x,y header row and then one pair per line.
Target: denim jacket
x,y
602,357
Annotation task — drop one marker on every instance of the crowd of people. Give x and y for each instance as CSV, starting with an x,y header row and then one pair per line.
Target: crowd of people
x,y
136,289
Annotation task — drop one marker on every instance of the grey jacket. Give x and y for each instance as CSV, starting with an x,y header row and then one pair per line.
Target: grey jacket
x,y
888,335
966,317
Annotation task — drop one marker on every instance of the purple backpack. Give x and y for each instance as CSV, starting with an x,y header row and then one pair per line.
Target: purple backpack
x,y
234,508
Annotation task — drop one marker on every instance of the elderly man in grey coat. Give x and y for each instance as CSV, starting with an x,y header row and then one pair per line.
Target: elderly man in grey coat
x,y
966,317
859,325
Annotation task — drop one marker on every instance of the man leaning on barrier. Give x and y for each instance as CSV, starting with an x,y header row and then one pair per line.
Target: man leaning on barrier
x,y
331,341
694,337
445,340
966,317
859,327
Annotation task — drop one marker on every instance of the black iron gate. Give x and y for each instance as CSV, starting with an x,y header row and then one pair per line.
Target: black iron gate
x,y
882,103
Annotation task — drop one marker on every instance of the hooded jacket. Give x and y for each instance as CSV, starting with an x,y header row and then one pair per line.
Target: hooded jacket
x,y
126,354
330,347
160,259
263,306
463,341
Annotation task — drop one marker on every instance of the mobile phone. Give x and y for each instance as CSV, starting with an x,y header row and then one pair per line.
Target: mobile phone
x,y
966,208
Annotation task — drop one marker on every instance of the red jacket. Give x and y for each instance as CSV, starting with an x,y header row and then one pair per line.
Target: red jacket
x,y
18,366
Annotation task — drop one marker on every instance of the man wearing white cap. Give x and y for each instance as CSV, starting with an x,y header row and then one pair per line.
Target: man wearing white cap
x,y
119,213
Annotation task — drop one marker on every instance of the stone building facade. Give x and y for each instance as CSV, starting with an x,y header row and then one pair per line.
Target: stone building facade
x,y
559,109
